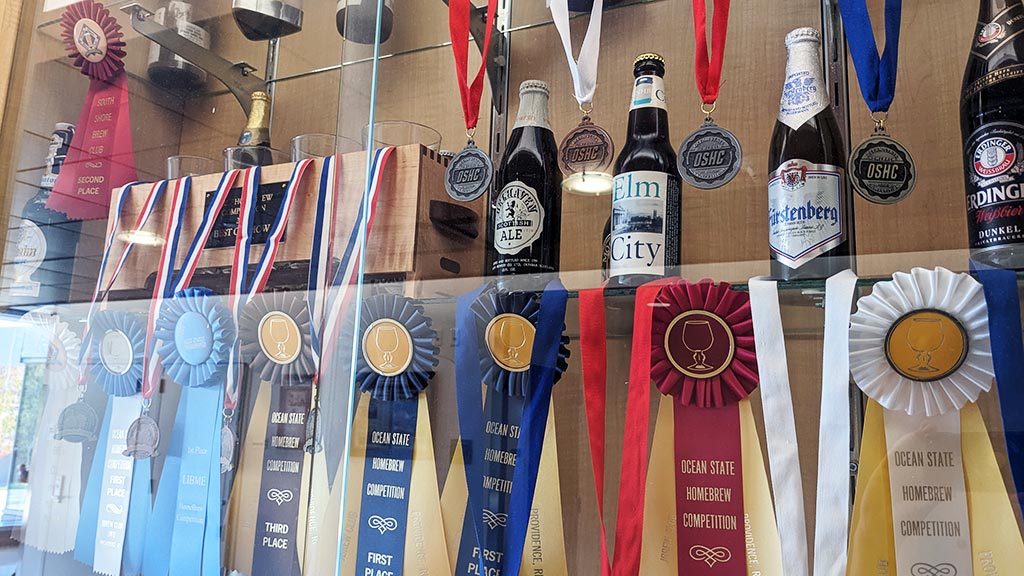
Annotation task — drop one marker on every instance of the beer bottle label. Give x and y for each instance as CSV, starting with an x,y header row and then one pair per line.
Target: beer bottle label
x,y
990,37
995,172
31,253
805,211
648,92
518,218
641,223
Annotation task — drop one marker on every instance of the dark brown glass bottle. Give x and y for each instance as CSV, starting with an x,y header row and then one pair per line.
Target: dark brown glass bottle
x,y
525,224
646,200
992,128
810,207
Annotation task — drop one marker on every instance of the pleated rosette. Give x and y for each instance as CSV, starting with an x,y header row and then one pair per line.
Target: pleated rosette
x,y
933,390
196,333
724,384
93,39
274,330
409,368
116,342
494,303
63,346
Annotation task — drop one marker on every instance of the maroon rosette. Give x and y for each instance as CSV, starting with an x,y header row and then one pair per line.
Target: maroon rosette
x,y
703,344
93,39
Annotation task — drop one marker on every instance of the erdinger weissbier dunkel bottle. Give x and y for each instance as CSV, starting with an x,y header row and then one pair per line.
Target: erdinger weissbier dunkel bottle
x,y
646,200
523,236
810,208
992,127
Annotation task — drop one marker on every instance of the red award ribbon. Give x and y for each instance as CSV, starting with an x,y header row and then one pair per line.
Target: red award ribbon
x,y
100,158
708,66
459,13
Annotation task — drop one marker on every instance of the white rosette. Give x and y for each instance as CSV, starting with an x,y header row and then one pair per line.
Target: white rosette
x,y
55,467
959,296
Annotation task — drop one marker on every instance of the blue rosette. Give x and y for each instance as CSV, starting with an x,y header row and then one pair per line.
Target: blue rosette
x,y
116,343
422,356
196,333
493,303
274,330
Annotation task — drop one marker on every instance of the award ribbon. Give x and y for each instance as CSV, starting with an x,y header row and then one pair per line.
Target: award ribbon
x,y
101,155
470,172
930,497
501,444
588,147
711,156
783,456
1004,326
55,484
882,169
195,334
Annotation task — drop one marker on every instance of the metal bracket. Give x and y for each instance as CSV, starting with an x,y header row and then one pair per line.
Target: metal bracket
x,y
834,43
238,78
496,64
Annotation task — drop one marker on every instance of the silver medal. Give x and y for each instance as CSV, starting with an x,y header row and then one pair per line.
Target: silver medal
x,y
469,174
586,148
227,449
710,157
314,433
882,170
143,438
77,423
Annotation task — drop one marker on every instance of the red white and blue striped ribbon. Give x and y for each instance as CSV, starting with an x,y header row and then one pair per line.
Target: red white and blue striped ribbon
x,y
242,287
322,250
217,201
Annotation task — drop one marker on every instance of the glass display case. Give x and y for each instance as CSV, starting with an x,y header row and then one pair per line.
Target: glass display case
x,y
483,288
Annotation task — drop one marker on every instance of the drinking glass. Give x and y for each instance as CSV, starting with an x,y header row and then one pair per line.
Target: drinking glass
x,y
401,133
321,145
183,165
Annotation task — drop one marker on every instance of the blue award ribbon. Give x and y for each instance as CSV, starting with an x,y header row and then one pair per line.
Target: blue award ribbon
x,y
500,494
876,75
391,433
1004,327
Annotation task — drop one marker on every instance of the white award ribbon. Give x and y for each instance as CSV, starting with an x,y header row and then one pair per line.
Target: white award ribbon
x,y
832,517
584,70
833,493
116,488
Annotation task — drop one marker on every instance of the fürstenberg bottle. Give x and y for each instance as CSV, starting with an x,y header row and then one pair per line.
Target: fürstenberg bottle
x,y
646,201
810,208
992,128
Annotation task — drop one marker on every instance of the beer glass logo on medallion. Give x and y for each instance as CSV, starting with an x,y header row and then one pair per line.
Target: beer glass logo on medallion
x,y
279,337
994,156
991,32
116,352
519,218
91,44
699,344
509,339
387,347
926,345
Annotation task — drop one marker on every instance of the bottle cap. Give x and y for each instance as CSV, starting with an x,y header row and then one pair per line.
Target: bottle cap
x,y
260,96
534,86
803,35
648,56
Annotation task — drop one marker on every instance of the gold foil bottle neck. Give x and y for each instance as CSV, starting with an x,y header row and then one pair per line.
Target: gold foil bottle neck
x,y
257,127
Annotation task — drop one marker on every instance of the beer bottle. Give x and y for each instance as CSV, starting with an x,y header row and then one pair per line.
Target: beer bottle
x,y
526,201
646,200
254,142
992,128
810,208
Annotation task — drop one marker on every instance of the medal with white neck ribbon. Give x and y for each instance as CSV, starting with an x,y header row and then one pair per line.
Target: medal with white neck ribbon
x,y
930,496
881,168
469,173
711,156
587,151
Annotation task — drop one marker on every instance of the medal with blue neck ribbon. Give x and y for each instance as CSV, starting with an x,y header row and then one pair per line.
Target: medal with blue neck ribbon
x,y
513,343
193,335
881,168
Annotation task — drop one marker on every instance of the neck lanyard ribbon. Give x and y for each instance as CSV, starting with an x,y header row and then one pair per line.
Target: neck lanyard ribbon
x,y
708,66
584,70
877,76
459,13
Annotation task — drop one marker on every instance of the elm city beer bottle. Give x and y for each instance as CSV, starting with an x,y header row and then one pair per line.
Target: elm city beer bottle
x,y
526,202
646,199
992,127
810,208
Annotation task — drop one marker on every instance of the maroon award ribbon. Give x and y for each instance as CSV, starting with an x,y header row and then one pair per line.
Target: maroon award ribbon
x,y
702,354
101,157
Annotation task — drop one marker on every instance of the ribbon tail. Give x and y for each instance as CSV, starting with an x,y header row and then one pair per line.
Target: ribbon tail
x,y
872,540
425,545
211,564
85,541
241,532
157,558
139,509
763,533
660,542
353,508
545,540
453,504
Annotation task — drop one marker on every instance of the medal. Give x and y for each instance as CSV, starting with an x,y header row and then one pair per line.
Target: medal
x,y
586,153
711,156
470,172
77,423
881,168
143,438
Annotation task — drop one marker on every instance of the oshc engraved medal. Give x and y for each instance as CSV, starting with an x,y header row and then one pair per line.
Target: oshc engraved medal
x,y
710,157
881,169
469,174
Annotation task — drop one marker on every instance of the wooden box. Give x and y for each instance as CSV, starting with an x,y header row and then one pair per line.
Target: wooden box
x,y
419,232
